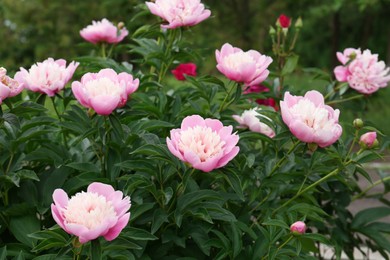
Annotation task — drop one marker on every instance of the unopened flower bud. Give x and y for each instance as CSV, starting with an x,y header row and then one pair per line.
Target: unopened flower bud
x,y
283,21
368,140
272,30
121,25
358,123
312,146
298,227
298,23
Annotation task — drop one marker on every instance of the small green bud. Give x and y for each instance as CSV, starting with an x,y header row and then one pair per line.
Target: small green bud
x,y
272,30
298,23
358,123
121,25
312,146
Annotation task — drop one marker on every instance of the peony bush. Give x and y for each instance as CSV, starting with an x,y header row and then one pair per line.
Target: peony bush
x,y
152,158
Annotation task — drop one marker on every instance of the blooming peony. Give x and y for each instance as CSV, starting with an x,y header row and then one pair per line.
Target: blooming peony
x,y
203,143
104,91
362,70
368,140
270,102
310,120
8,86
250,119
247,67
298,227
48,77
184,69
178,13
103,31
284,21
101,211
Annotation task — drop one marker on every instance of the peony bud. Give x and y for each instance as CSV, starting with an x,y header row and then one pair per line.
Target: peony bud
x,y
298,23
368,140
121,25
283,21
358,123
298,227
272,30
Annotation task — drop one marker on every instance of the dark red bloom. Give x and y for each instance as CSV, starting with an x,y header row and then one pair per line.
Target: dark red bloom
x,y
284,21
265,102
188,69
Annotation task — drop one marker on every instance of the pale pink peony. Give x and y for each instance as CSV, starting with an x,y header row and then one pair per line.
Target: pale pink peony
x,y
101,211
251,119
246,67
179,13
8,87
104,91
309,119
103,31
48,77
368,139
362,71
203,143
298,227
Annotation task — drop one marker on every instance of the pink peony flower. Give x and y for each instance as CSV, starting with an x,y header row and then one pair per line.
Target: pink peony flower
x,y
298,227
309,119
270,102
362,71
247,67
203,143
103,31
184,69
178,13
101,211
48,77
368,140
284,21
251,119
104,91
8,86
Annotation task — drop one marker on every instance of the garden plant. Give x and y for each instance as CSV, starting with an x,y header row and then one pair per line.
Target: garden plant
x,y
149,158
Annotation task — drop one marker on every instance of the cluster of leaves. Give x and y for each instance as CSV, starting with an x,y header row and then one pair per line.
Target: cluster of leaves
x,y
241,211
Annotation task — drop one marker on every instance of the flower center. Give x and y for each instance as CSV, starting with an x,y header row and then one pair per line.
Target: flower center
x,y
203,141
88,209
46,74
314,117
102,86
235,60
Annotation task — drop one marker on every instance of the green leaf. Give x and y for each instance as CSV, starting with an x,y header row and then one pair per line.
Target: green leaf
x,y
21,227
234,182
3,253
277,223
96,250
138,234
159,217
291,64
317,237
84,167
368,215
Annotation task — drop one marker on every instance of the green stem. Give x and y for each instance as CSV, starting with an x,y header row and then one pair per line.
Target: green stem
x,y
105,147
299,193
344,100
355,137
9,163
167,54
361,194
103,50
96,251
60,119
284,158
285,243
221,108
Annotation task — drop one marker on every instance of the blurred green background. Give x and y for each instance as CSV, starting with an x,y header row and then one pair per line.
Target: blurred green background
x,y
33,30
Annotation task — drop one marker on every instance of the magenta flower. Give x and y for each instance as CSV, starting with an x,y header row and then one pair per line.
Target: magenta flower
x,y
309,119
284,21
48,77
179,13
246,67
298,227
362,71
188,69
8,86
251,119
103,31
368,140
104,91
270,102
101,211
203,143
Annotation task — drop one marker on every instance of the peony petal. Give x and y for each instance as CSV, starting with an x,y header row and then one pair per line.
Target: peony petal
x,y
120,225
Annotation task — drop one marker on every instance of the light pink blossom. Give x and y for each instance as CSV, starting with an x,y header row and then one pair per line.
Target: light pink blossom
x,y
104,91
298,227
246,67
309,119
368,139
101,211
203,143
103,31
251,119
8,87
179,13
48,77
362,70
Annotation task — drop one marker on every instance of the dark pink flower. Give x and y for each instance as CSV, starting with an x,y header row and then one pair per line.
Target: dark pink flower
x,y
270,102
298,227
188,69
284,21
